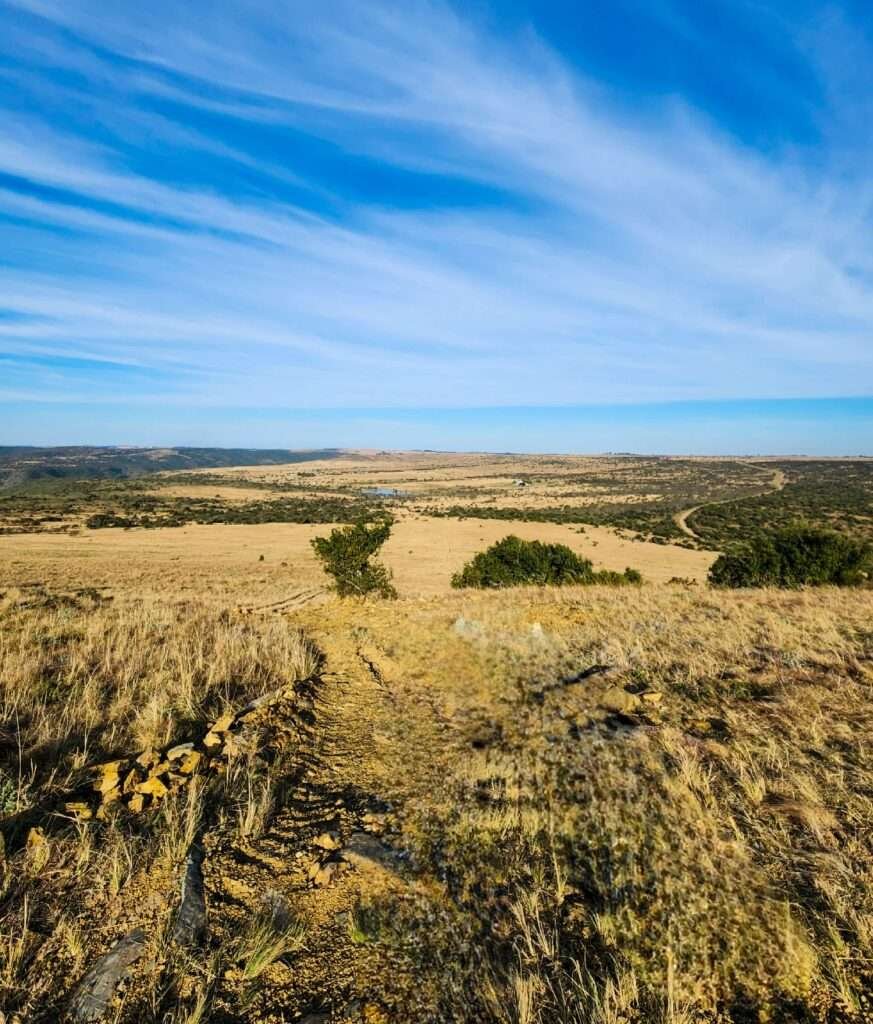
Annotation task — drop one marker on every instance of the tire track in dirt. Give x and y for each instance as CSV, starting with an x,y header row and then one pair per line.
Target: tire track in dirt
x,y
291,603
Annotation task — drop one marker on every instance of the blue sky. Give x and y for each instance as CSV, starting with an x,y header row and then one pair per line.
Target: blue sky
x,y
611,225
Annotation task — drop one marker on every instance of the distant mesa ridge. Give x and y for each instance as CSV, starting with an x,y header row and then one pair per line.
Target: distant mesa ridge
x,y
20,464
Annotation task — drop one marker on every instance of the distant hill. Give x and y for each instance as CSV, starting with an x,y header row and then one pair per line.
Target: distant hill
x,y
20,465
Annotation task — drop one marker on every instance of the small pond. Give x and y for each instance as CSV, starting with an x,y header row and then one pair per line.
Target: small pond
x,y
385,492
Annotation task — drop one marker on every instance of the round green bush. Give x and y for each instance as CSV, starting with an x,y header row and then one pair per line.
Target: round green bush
x,y
513,562
795,556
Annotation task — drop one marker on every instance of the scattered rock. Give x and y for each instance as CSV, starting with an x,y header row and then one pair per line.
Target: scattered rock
x,y
148,758
366,852
190,762
375,823
108,778
323,874
151,776
224,723
327,841
617,700
136,804
212,740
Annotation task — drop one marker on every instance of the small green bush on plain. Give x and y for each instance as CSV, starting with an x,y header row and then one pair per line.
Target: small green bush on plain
x,y
513,562
796,556
346,553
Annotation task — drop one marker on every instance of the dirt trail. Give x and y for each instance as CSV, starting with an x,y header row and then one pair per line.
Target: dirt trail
x,y
777,482
332,849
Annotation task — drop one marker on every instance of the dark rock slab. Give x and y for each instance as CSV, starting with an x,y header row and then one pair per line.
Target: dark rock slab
x,y
95,991
189,928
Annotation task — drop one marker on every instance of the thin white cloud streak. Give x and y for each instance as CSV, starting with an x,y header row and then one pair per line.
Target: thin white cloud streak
x,y
655,257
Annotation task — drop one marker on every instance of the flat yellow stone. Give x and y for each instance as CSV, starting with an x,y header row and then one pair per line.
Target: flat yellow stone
x,y
131,781
136,803
107,782
224,723
153,787
212,740
190,762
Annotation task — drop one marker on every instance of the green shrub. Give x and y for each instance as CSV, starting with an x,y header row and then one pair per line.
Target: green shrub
x,y
513,562
346,553
618,579
795,556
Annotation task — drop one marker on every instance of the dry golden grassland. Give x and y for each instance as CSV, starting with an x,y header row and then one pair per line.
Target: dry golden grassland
x,y
538,806
211,562
684,838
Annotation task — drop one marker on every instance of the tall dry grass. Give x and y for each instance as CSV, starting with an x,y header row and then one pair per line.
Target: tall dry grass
x,y
83,681
705,856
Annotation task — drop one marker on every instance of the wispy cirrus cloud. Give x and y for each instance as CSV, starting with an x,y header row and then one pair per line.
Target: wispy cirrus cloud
x,y
388,204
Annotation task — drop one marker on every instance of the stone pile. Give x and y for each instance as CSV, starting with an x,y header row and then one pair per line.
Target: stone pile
x,y
140,783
